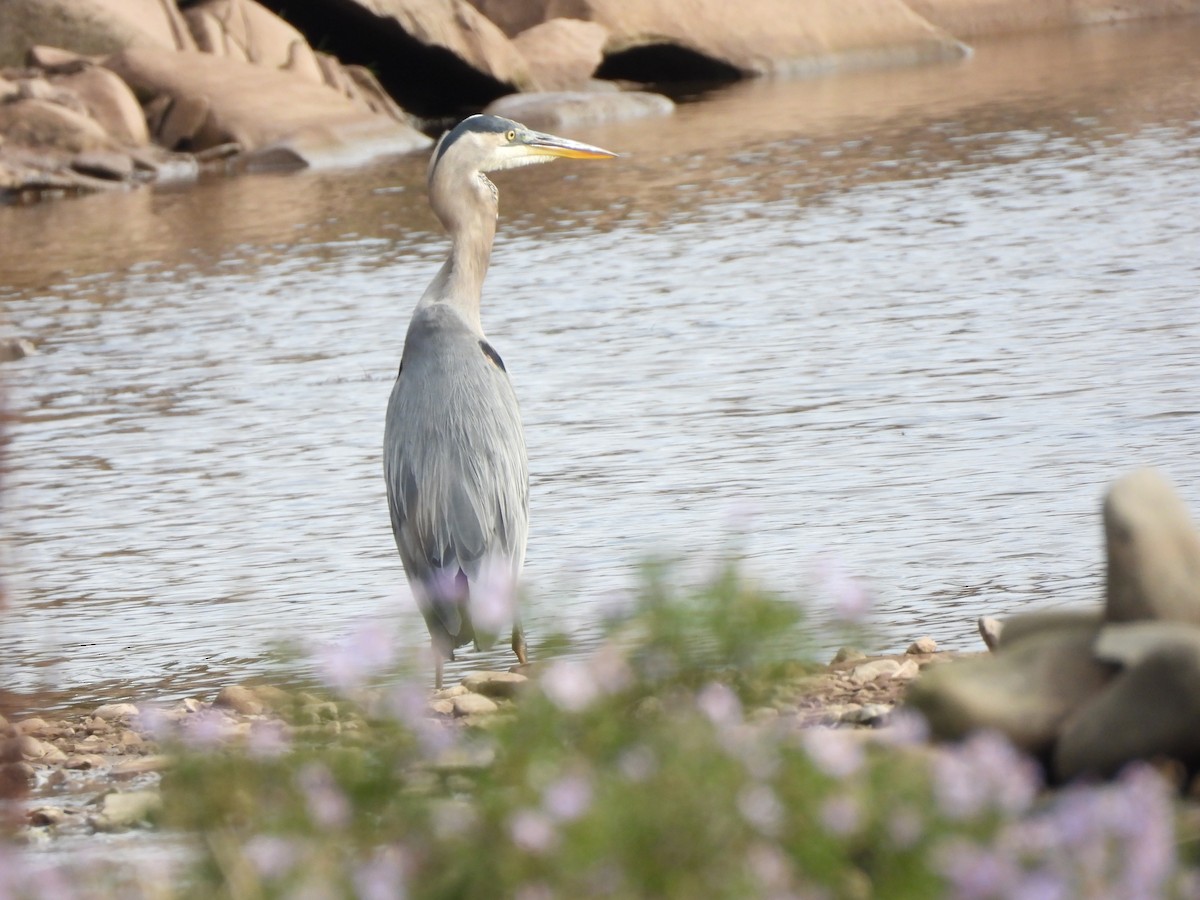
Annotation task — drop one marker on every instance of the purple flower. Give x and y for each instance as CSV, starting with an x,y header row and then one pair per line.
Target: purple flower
x,y
761,808
570,685
568,798
720,705
841,814
348,664
383,877
838,754
206,729
327,805
849,597
984,773
637,763
272,857
533,831
905,827
267,739
973,872
494,595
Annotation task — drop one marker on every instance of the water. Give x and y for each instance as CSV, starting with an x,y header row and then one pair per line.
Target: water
x,y
909,324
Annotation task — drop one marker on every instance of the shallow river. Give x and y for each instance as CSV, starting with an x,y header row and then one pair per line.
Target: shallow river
x,y
903,325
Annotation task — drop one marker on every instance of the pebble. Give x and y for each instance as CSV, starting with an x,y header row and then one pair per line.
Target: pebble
x,y
442,707
120,810
848,654
450,693
84,761
30,747
31,726
909,669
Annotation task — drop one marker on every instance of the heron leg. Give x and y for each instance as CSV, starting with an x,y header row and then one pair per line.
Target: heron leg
x,y
518,643
438,662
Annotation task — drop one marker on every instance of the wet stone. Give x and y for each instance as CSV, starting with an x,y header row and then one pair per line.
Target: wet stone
x,y
30,747
240,699
494,684
473,705
110,711
848,654
84,761
874,669
922,646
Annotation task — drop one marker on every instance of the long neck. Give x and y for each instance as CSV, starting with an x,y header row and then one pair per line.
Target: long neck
x,y
468,212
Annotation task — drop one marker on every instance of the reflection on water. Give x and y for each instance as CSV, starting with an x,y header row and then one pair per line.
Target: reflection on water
x,y
912,321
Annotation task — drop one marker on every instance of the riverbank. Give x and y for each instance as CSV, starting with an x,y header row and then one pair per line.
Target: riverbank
x,y
98,771
112,94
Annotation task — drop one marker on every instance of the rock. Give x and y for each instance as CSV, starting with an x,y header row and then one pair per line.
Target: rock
x,y
1025,690
15,777
240,699
449,693
494,684
767,37
909,669
12,349
458,27
1151,710
990,630
244,30
874,669
55,60
847,654
1020,627
9,90
110,102
110,711
49,126
41,89
441,707
46,816
977,18
1127,644
576,109
84,761
120,810
224,100
562,54
464,759
93,27
1153,552
32,726
870,714
473,705
514,18
30,747
922,646
131,767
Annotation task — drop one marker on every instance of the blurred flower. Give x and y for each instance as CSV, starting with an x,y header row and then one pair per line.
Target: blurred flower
x,y
494,596
272,857
453,818
770,866
905,827
327,805
348,664
568,798
761,808
905,728
537,891
267,739
841,815
984,773
973,872
532,831
838,754
382,877
848,596
206,729
637,763
720,704
570,685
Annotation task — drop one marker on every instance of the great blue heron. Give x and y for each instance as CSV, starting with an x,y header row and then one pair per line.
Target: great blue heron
x,y
453,449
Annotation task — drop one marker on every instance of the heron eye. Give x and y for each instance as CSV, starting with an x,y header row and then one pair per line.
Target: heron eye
x,y
511,136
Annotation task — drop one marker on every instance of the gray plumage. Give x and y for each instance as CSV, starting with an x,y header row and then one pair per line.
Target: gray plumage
x,y
454,452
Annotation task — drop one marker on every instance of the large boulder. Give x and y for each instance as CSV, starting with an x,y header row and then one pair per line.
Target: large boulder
x,y
51,127
1153,552
1151,710
109,101
203,102
763,37
242,29
562,54
89,26
458,27
1025,690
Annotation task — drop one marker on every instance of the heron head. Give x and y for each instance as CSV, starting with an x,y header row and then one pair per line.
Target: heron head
x,y
489,143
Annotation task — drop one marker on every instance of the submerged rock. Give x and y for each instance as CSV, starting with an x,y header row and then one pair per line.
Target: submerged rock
x,y
575,109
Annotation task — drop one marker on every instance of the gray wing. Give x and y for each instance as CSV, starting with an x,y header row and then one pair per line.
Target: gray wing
x,y
456,469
